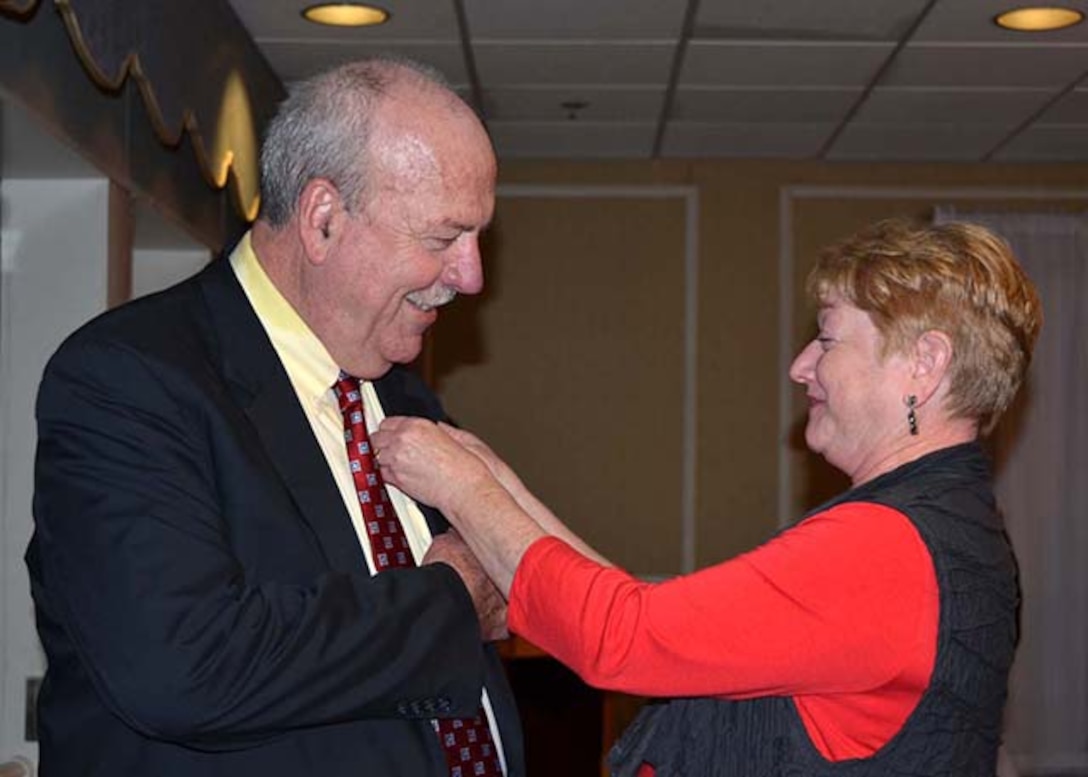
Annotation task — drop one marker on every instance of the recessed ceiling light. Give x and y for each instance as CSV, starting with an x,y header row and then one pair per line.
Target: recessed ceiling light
x,y
345,14
1039,18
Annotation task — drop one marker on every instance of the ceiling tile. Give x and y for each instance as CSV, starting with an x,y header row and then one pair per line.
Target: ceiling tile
x,y
950,106
782,64
574,103
710,105
504,64
573,140
843,20
1072,108
892,142
791,141
1047,143
564,19
758,79
283,19
980,65
297,60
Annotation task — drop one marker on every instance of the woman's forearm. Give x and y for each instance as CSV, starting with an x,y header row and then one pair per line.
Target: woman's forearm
x,y
496,529
497,516
550,523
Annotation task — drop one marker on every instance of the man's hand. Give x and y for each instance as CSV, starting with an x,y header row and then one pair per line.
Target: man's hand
x,y
450,549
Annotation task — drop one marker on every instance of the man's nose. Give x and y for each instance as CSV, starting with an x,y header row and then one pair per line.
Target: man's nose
x,y
465,272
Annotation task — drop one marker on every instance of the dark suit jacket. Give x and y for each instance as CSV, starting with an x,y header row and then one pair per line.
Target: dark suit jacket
x,y
202,598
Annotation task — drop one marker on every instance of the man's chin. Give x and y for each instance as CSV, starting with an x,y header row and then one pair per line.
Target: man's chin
x,y
404,353
374,369
376,362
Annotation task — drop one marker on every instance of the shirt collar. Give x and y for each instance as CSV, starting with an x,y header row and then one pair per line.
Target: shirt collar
x,y
309,366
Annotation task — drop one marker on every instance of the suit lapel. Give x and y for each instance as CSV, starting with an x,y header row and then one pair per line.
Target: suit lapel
x,y
261,387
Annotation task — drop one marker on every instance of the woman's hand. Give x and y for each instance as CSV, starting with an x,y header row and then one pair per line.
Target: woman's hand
x,y
427,463
526,500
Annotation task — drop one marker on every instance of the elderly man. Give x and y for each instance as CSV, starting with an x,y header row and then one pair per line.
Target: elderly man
x,y
224,585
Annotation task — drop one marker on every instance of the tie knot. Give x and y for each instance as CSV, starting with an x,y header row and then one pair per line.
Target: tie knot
x,y
347,392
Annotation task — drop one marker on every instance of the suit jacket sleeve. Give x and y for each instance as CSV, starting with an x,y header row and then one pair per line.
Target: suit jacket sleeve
x,y
191,585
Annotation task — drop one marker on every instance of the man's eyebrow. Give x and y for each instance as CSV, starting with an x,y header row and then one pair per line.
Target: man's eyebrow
x,y
467,227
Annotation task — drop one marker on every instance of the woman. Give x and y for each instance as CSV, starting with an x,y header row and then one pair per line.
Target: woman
x,y
875,636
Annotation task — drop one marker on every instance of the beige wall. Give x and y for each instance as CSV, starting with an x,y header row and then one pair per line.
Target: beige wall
x,y
533,336
593,418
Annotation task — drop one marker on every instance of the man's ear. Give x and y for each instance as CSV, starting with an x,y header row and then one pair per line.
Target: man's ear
x,y
933,353
319,208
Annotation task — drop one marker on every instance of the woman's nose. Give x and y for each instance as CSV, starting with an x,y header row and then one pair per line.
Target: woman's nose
x,y
802,368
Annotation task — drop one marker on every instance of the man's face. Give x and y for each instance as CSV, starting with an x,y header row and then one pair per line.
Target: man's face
x,y
410,247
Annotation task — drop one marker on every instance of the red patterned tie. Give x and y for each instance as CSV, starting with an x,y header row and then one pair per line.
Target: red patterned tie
x,y
470,751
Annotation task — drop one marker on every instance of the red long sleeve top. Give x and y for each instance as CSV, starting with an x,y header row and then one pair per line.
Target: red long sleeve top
x,y
839,612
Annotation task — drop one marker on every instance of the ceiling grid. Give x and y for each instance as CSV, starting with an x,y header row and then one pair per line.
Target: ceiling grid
x,y
841,80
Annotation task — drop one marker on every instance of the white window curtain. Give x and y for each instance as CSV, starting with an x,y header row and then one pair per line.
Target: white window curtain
x,y
1041,451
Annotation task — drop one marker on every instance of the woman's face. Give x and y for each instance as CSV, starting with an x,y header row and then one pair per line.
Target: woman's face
x,y
856,398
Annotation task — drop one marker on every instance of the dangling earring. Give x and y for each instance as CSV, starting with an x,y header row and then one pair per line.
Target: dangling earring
x,y
912,419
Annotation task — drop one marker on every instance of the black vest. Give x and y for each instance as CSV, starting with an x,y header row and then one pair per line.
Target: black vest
x,y
956,727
